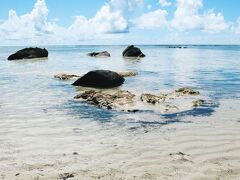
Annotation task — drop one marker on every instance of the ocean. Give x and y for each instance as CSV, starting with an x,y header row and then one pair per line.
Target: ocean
x,y
41,125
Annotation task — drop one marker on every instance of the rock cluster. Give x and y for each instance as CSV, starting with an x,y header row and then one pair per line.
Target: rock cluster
x,y
127,101
177,47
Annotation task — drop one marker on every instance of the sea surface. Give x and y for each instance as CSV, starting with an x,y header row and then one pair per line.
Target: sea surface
x,y
40,121
28,89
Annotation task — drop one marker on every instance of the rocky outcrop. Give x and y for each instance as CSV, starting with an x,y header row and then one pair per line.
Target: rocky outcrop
x,y
186,91
100,79
99,54
132,51
152,99
118,100
198,102
127,74
64,76
29,53
126,101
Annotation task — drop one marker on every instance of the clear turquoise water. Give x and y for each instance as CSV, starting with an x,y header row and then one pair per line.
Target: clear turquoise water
x,y
29,91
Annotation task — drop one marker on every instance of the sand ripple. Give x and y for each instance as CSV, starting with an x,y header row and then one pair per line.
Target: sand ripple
x,y
206,148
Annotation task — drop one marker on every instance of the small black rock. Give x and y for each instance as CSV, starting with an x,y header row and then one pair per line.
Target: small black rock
x,y
132,51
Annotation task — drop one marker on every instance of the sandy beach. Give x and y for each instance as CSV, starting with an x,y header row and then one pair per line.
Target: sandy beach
x,y
120,90
196,148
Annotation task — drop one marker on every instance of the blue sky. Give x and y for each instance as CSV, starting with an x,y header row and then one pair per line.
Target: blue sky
x,y
37,22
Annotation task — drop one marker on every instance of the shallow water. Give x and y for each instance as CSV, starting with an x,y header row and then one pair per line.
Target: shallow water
x,y
28,89
39,119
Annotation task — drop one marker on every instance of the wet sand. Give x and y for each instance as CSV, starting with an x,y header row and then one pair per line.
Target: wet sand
x,y
202,147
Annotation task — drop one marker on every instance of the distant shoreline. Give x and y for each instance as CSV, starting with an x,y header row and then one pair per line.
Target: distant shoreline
x,y
163,45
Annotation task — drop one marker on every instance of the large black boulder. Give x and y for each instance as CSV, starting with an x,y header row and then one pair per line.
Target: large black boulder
x,y
29,53
132,51
100,79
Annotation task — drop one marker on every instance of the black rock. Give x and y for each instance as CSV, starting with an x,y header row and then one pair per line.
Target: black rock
x,y
29,53
132,51
100,79
99,54
177,47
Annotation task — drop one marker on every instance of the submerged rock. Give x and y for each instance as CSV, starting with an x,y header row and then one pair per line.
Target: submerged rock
x,y
198,102
29,53
99,54
180,99
152,99
118,100
100,79
186,91
127,74
65,176
126,101
177,47
132,51
64,76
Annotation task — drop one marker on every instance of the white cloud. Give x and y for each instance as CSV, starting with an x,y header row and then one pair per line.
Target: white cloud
x,y
105,21
165,3
29,25
113,18
236,27
213,22
153,19
188,17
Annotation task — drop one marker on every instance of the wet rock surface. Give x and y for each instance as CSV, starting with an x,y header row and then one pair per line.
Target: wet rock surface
x,y
176,101
66,176
186,91
127,73
132,51
99,54
152,99
64,76
29,53
198,102
117,100
100,79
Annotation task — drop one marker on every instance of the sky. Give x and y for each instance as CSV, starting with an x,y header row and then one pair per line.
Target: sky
x,y
74,22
